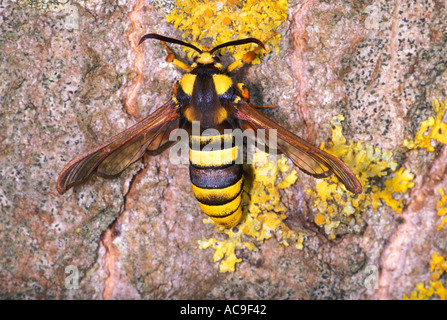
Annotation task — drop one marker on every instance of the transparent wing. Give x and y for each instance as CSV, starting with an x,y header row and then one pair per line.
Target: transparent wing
x,y
112,157
305,156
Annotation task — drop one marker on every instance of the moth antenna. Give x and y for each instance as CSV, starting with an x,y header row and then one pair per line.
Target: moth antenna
x,y
237,43
167,39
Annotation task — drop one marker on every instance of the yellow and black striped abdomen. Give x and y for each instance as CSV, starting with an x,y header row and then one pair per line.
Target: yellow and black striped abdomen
x,y
217,180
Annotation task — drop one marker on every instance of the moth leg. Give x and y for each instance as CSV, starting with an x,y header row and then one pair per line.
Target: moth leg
x,y
172,59
245,94
246,58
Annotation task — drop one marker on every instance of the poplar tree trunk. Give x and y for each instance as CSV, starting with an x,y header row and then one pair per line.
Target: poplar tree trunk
x,y
69,78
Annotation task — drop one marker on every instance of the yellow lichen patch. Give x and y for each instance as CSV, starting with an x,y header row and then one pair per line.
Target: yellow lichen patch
x,y
400,183
442,209
229,20
438,265
340,211
432,128
225,250
263,213
319,219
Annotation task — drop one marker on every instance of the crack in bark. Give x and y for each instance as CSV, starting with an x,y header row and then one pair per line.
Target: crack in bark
x,y
112,255
300,42
110,260
130,94
394,259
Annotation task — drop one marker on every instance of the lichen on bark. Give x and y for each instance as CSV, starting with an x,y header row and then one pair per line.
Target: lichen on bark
x,y
65,71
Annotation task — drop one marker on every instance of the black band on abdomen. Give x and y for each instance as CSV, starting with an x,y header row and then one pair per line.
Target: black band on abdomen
x,y
215,178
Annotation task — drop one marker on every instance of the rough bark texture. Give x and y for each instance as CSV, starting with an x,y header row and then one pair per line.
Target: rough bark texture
x,y
72,77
